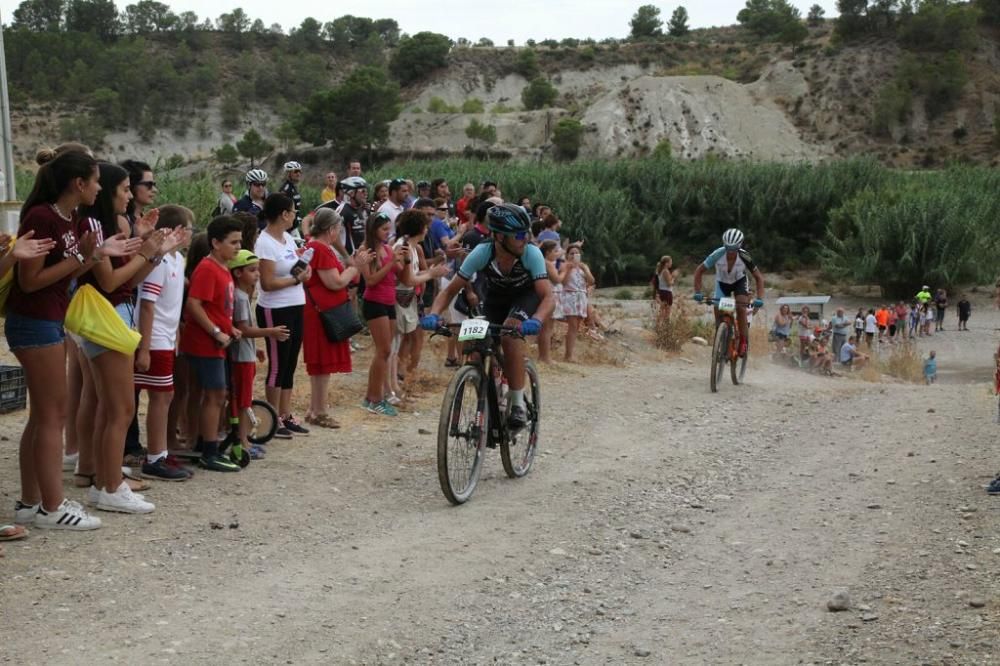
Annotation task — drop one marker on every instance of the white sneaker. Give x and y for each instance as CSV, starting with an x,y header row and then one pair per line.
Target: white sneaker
x,y
69,462
69,516
24,514
94,495
123,500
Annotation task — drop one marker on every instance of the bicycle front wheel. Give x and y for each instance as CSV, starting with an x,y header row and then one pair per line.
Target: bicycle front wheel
x,y
517,450
720,351
462,433
738,368
263,422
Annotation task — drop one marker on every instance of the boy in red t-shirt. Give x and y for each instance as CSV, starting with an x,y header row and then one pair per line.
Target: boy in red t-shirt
x,y
209,329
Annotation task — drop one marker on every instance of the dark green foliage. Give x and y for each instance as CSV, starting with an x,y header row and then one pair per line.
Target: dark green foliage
x,y
646,22
939,79
253,146
98,17
526,64
989,10
226,154
480,132
773,19
355,115
39,15
678,24
567,138
418,55
538,94
893,107
815,16
939,25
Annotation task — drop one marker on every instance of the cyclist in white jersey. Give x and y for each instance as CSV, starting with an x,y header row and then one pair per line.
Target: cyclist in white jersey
x,y
733,267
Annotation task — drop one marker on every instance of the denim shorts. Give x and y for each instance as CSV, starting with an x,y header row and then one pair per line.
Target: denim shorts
x,y
29,333
92,350
209,370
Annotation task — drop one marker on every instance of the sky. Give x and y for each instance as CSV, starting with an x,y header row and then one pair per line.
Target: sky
x,y
509,19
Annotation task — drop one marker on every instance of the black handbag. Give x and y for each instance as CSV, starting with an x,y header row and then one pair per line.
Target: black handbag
x,y
339,322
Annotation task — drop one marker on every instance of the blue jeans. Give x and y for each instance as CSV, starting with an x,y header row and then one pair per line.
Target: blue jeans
x,y
30,333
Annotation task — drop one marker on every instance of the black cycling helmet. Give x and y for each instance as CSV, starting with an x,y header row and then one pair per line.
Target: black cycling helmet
x,y
509,219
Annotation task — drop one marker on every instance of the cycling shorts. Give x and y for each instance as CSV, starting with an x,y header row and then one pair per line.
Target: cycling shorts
x,y
739,288
522,307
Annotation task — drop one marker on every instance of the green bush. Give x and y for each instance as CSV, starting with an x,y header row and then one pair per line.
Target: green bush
x,y
418,55
567,138
526,64
538,94
438,105
473,105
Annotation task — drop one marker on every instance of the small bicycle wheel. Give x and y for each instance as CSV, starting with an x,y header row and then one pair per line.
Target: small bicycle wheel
x,y
720,350
517,451
263,422
462,433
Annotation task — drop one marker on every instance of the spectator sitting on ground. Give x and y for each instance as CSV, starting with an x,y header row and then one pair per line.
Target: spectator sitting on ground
x,y
850,357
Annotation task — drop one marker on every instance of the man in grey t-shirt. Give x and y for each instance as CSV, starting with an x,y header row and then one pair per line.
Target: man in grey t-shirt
x,y
840,326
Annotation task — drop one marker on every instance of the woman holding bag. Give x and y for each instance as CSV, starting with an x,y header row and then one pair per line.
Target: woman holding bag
x,y
325,289
36,308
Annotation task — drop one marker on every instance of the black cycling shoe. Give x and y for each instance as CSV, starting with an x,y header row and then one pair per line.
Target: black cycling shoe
x,y
994,487
518,418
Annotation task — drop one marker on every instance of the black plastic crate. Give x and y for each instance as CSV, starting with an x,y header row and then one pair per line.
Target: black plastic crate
x,y
13,388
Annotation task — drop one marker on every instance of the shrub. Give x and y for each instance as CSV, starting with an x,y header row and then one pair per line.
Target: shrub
x,y
567,138
438,105
624,294
473,105
526,64
418,55
664,150
538,94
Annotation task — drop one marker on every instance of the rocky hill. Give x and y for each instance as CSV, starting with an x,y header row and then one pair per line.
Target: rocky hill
x,y
718,93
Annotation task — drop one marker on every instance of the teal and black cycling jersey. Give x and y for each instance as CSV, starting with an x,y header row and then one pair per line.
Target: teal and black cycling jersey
x,y
529,267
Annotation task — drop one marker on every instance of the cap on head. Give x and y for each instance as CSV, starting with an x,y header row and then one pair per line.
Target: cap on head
x,y
243,258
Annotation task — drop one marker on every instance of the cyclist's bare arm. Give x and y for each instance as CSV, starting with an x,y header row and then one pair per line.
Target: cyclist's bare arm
x,y
698,272
758,278
449,293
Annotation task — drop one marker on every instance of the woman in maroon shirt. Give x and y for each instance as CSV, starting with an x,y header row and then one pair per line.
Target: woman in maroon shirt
x,y
36,308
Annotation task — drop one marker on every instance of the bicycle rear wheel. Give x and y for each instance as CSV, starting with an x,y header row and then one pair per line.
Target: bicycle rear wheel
x,y
263,422
517,450
462,433
720,349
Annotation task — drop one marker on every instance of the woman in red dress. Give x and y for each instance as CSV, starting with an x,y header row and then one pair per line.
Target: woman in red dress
x,y
326,288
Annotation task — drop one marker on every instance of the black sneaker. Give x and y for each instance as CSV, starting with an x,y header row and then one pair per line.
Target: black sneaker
x,y
518,418
292,425
282,433
219,463
163,471
994,487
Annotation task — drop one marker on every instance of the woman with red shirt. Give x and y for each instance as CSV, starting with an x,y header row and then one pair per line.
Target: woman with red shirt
x,y
326,288
36,308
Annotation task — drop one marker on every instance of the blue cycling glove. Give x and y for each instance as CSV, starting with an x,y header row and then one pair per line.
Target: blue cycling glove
x,y
758,303
430,322
698,296
531,327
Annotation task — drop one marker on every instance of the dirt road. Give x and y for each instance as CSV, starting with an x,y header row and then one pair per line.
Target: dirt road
x,y
661,524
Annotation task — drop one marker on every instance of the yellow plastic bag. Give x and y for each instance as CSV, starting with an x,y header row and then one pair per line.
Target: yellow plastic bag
x,y
5,282
93,318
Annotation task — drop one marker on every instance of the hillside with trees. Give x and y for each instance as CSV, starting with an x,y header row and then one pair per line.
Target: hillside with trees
x,y
912,82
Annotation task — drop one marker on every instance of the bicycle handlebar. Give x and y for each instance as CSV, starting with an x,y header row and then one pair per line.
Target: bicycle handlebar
x,y
496,330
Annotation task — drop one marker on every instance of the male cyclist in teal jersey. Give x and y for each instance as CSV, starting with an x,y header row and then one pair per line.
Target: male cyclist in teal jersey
x,y
733,267
518,293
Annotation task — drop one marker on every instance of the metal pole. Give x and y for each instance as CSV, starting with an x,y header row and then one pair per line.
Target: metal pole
x,y
6,135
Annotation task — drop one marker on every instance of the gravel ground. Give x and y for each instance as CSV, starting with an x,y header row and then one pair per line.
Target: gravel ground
x,y
661,524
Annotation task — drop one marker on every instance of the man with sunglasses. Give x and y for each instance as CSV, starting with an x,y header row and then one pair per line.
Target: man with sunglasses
x,y
253,201
518,293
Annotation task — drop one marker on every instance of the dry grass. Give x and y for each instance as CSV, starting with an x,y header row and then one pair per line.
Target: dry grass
x,y
799,285
903,362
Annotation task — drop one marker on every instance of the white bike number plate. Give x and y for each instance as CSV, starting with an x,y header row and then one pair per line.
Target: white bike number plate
x,y
727,304
473,329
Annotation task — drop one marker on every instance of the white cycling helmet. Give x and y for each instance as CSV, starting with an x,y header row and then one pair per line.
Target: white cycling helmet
x,y
354,183
256,176
732,239
293,166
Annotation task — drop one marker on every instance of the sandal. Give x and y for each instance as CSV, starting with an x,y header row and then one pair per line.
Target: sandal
x,y
12,532
325,421
88,480
137,485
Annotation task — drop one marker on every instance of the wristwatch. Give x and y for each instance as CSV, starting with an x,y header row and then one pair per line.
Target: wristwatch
x,y
216,331
76,254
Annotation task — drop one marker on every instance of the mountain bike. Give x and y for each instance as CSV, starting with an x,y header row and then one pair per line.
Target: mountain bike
x,y
726,347
474,412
